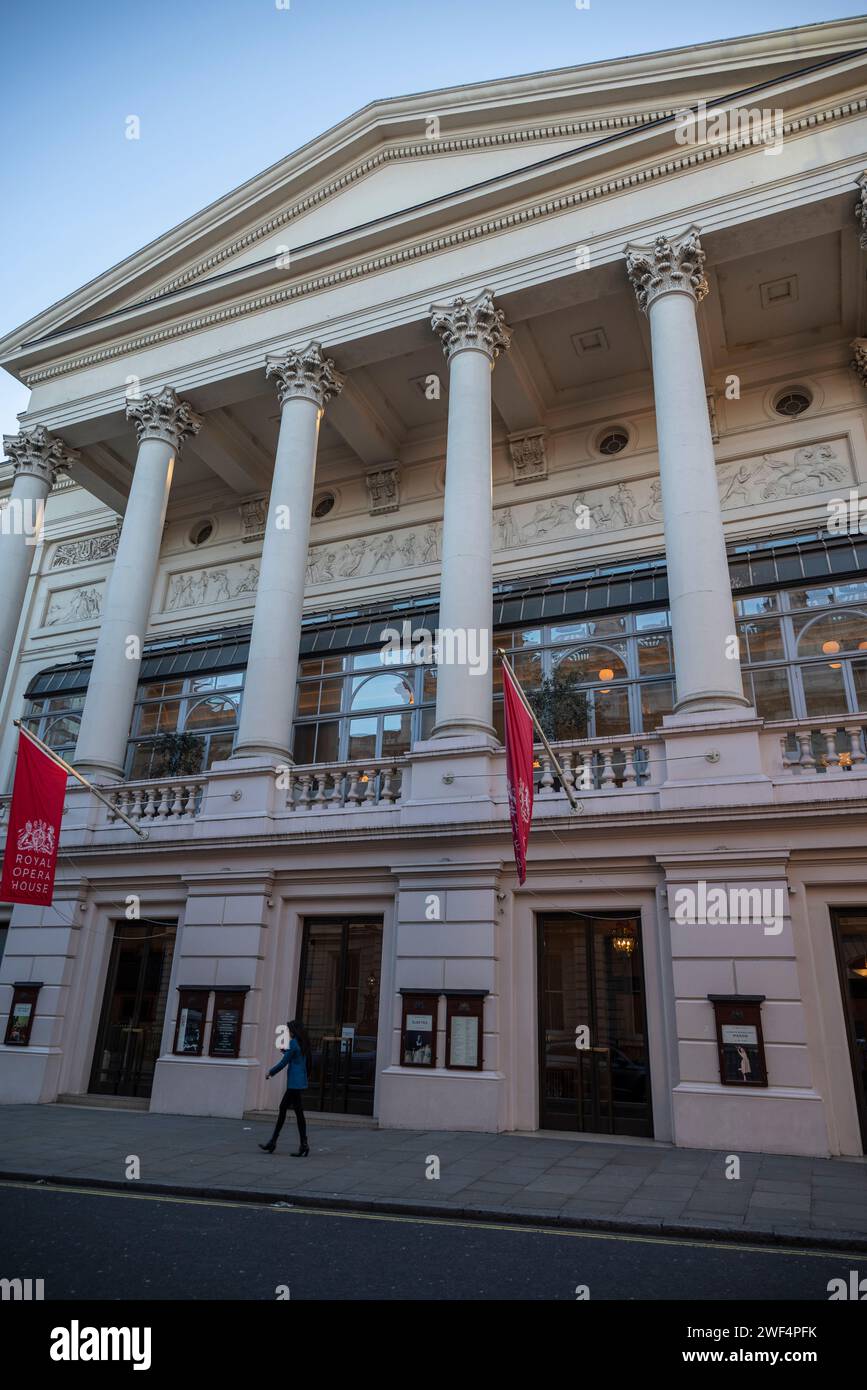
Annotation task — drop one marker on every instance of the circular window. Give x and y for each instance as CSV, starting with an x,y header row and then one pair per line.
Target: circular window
x,y
612,441
323,505
201,532
793,402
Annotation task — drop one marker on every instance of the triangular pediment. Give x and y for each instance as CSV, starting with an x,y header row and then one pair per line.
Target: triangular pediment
x,y
411,167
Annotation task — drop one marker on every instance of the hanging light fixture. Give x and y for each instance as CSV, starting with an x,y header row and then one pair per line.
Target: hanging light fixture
x,y
623,941
606,674
829,648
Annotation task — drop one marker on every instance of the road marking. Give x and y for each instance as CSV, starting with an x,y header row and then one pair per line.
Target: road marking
x,y
481,1225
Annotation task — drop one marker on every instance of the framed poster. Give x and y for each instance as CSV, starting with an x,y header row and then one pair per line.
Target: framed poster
x,y
418,1034
226,1025
20,1022
739,1039
464,1032
190,1025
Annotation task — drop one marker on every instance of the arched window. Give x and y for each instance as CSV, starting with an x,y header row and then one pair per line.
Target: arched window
x,y
832,633
380,692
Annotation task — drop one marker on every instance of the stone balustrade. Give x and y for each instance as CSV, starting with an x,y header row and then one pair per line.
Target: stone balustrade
x,y
832,744
329,786
589,765
161,802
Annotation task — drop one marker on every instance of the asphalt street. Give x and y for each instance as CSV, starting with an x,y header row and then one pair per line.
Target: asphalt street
x,y
109,1246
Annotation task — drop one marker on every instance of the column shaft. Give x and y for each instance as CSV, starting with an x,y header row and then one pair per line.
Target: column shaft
x,y
305,382
464,690
36,456
272,667
111,692
669,280
473,333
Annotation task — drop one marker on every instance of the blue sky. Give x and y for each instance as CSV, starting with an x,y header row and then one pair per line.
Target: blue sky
x,y
224,88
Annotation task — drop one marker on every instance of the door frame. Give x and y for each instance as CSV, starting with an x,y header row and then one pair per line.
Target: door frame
x,y
611,914
109,980
860,1096
344,920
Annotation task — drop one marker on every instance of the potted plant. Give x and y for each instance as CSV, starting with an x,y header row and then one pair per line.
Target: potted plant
x,y
177,754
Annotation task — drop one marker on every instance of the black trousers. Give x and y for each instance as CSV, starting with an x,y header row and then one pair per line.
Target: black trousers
x,y
292,1098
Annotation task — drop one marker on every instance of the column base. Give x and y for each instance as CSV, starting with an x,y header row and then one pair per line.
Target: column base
x,y
261,752
461,733
717,701
100,772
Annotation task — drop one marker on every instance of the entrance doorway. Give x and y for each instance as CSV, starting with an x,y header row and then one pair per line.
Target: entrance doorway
x,y
591,975
850,938
133,1009
338,1004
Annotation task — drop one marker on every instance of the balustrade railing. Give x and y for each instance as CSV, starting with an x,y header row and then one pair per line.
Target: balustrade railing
x,y
169,800
829,744
599,764
328,786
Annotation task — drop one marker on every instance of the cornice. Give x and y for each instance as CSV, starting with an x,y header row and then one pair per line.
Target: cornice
x,y
434,245
419,149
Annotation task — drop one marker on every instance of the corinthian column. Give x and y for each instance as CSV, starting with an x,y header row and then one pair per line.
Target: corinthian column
x,y
668,278
35,456
305,382
162,423
473,333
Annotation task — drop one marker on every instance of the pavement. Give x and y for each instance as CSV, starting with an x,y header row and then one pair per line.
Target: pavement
x,y
552,1179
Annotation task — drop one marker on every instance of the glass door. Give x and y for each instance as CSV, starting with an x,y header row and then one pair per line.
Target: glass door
x,y
590,976
850,936
338,1003
133,1010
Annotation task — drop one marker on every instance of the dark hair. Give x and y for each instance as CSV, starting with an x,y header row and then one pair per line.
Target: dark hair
x,y
298,1033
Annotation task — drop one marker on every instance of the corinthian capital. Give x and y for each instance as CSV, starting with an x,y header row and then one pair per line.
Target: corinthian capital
x,y
162,415
304,374
38,453
471,323
666,264
859,360
861,209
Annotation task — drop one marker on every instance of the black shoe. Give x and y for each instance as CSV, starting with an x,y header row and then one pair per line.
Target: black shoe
x,y
303,1151
269,1148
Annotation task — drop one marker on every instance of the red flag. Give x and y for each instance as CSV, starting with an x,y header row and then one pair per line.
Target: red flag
x,y
33,836
519,769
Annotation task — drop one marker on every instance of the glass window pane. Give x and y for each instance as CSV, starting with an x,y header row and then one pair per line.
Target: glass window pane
x,y
308,699
154,692
141,762
64,702
304,743
365,661
656,700
527,667
823,688
219,747
329,697
429,682
859,676
771,695
327,738
811,598
856,592
61,733
644,621
211,714
612,711
761,641
837,632
362,738
396,734
587,664
310,667
756,605
159,718
332,665
654,655
377,692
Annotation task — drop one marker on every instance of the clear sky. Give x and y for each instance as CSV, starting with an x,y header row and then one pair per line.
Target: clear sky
x,y
224,88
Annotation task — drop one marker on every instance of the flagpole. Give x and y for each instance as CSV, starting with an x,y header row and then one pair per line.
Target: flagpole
x,y
539,730
67,767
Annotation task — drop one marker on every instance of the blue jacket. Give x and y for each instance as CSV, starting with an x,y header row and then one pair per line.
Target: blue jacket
x,y
293,1060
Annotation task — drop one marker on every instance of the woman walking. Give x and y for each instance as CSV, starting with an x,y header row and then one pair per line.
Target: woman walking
x,y
295,1059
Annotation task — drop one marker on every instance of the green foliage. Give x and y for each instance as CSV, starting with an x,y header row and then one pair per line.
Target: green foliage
x,y
177,754
560,705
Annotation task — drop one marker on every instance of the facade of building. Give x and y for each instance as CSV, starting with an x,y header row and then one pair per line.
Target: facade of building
x,y
539,365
